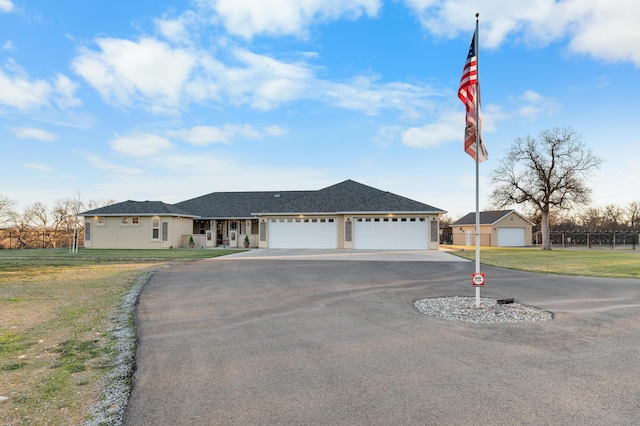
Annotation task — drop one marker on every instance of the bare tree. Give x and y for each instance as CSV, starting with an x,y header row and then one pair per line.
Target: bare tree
x,y
7,212
36,223
633,214
613,217
591,218
545,173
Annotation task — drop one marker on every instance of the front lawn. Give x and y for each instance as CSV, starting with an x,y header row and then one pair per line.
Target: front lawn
x,y
592,263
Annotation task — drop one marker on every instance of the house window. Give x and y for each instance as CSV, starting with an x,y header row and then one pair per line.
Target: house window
x,y
130,220
155,228
87,231
101,221
254,227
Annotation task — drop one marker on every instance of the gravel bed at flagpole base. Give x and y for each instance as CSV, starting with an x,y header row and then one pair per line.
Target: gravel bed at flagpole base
x,y
463,309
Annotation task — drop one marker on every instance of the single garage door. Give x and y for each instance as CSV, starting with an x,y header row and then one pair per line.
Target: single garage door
x,y
511,237
303,233
391,233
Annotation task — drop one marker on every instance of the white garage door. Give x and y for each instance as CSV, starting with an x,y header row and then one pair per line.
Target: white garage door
x,y
511,237
391,233
303,233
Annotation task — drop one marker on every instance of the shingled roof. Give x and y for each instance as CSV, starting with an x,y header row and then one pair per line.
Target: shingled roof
x,y
236,205
345,197
350,197
486,218
138,208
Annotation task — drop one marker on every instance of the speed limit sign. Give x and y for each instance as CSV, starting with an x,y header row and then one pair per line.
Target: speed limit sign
x,y
478,279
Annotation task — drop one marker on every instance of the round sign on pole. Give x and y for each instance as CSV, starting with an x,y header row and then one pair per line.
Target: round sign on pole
x,y
478,279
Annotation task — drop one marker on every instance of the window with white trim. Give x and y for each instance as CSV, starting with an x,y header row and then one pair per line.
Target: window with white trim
x,y
155,228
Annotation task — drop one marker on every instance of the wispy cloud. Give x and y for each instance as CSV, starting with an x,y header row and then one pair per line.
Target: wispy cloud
x,y
39,167
140,145
34,133
206,135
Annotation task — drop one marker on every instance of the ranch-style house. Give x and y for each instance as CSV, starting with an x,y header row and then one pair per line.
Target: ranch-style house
x,y
347,215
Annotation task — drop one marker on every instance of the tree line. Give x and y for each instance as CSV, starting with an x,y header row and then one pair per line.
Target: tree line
x,y
41,226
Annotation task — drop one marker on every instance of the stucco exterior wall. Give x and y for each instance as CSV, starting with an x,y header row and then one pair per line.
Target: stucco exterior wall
x,y
111,232
465,234
512,221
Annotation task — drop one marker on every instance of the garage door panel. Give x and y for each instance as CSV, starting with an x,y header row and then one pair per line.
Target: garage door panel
x,y
511,237
303,233
391,234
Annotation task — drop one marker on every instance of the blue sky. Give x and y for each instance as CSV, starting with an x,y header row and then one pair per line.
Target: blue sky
x,y
169,100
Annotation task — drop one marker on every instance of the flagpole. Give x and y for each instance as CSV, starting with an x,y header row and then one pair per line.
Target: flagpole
x,y
477,100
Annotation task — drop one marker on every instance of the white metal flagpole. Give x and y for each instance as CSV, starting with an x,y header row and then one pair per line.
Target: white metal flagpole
x,y
477,100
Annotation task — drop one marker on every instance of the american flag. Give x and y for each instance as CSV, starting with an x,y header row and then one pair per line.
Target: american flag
x,y
469,89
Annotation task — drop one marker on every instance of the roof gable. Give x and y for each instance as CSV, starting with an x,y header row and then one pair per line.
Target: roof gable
x,y
351,196
487,217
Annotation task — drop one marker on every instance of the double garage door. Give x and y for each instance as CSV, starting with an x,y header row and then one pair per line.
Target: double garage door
x,y
391,233
317,233
367,233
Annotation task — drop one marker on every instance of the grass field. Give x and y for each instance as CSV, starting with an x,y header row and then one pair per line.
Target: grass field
x,y
595,263
56,310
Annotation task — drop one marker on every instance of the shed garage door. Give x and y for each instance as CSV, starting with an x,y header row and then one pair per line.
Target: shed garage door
x,y
303,233
511,237
391,233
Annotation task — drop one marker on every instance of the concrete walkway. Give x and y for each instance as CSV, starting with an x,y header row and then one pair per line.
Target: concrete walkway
x,y
348,255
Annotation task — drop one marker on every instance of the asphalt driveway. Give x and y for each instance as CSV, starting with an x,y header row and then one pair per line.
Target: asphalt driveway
x,y
273,340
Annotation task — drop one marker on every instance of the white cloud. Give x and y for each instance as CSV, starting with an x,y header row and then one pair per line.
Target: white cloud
x,y
6,6
532,105
107,166
20,92
365,94
65,89
140,145
178,30
8,45
603,30
448,128
33,133
122,74
206,135
248,18
275,131
38,167
148,70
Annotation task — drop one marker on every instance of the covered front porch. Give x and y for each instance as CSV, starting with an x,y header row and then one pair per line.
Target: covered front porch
x,y
225,232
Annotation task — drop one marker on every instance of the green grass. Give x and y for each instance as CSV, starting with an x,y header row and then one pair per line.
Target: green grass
x,y
112,254
596,263
55,310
